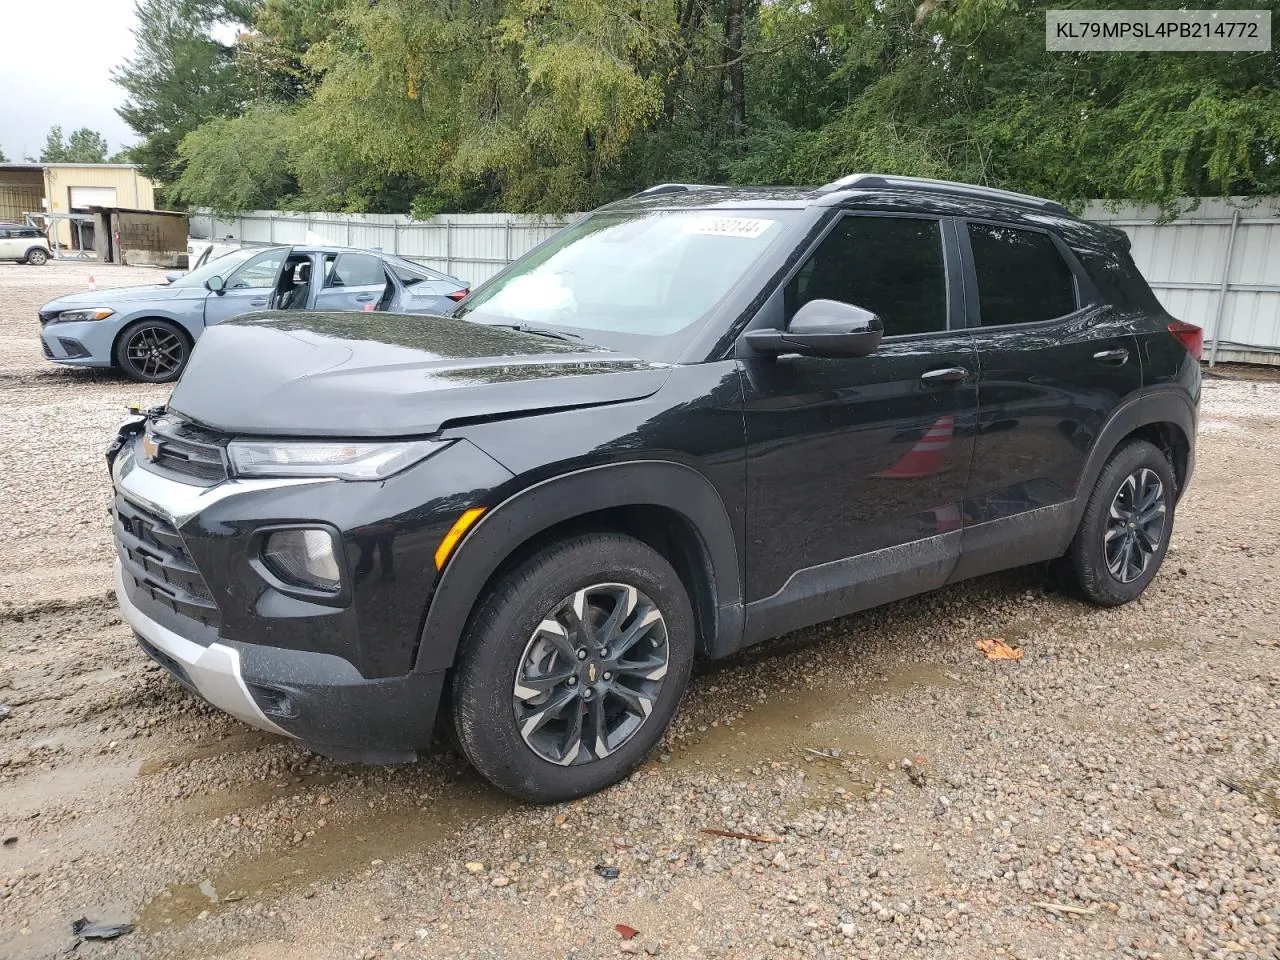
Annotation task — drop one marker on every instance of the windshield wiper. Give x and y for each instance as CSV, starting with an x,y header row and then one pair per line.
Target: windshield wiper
x,y
538,331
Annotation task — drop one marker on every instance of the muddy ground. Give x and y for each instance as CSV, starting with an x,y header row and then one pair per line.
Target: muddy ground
x,y
1112,794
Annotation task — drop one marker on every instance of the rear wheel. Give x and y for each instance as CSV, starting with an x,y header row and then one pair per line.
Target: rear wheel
x,y
152,351
1124,533
37,257
573,666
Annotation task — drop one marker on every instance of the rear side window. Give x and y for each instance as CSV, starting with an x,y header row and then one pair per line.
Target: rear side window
x,y
888,265
357,270
1116,276
410,275
1021,276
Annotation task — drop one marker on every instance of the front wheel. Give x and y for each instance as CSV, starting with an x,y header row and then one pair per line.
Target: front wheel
x,y
1125,530
572,667
152,351
37,257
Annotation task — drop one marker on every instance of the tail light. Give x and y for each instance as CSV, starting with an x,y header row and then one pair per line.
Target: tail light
x,y
1190,336
458,295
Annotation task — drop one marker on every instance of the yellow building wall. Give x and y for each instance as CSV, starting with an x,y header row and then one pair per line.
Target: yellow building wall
x,y
133,190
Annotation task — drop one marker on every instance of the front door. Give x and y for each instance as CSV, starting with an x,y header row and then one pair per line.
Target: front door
x,y
355,281
856,467
1053,365
250,288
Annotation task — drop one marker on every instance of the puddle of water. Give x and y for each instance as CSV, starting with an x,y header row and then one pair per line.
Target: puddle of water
x,y
829,721
242,741
338,849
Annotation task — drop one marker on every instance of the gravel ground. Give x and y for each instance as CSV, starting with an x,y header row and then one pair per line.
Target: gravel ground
x,y
1113,794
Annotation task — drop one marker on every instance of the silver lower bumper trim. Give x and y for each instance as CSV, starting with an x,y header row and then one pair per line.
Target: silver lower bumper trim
x,y
214,670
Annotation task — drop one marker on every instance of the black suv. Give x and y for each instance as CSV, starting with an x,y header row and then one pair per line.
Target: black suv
x,y
693,420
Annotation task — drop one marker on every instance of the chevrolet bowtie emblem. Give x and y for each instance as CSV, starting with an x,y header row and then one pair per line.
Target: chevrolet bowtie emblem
x,y
591,673
150,449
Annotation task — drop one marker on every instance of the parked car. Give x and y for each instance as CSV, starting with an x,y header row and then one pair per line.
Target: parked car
x,y
148,332
23,243
694,420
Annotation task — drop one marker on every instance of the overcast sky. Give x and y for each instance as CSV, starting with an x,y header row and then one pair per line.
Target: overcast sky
x,y
55,68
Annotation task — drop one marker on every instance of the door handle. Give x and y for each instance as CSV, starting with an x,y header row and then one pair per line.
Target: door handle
x,y
1114,357
364,298
945,375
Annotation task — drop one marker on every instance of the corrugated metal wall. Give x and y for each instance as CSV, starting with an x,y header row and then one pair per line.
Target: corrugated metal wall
x,y
1217,266
471,246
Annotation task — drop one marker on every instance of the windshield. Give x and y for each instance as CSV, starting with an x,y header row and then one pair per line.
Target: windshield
x,y
222,267
631,280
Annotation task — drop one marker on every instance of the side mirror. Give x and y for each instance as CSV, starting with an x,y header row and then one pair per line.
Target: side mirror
x,y
170,277
216,284
822,328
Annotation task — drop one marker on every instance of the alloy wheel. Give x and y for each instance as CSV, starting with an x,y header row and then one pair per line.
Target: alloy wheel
x,y
590,674
1135,525
155,352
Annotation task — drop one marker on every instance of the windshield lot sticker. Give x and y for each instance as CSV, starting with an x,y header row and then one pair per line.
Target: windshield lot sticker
x,y
746,227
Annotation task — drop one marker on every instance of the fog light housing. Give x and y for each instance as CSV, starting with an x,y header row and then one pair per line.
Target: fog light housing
x,y
303,557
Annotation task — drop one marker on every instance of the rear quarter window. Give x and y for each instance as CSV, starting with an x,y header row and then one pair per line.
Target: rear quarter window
x,y
1115,275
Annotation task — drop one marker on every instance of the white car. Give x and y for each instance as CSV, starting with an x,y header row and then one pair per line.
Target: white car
x,y
24,244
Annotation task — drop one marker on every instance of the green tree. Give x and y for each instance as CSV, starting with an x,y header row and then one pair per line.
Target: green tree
x,y
238,163
181,76
82,146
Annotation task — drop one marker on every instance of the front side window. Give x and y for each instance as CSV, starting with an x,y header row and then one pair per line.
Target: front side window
x,y
1022,277
223,267
892,266
356,270
262,271
639,280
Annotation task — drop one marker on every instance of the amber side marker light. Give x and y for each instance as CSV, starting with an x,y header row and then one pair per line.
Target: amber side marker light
x,y
456,533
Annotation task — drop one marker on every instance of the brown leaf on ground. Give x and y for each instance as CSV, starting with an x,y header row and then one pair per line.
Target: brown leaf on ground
x,y
997,649
625,931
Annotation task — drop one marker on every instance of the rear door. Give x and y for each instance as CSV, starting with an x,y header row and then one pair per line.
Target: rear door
x,y
355,281
1053,361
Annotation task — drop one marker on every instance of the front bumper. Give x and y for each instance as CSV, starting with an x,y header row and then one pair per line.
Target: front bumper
x,y
86,344
323,675
212,672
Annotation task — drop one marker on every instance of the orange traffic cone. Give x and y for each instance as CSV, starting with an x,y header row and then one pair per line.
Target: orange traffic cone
x,y
93,284
368,307
925,456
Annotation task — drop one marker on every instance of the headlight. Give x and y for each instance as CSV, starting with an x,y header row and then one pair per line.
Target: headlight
x,y
304,558
346,461
77,316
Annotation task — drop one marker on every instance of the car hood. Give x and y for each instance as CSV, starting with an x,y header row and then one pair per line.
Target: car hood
x,y
114,295
362,374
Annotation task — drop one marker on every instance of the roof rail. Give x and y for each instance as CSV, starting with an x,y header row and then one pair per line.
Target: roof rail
x,y
671,188
872,181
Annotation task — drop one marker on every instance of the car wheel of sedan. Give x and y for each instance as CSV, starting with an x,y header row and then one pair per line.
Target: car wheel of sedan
x,y
1126,526
37,257
152,351
572,667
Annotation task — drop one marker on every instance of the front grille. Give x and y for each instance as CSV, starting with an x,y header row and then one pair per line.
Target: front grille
x,y
176,670
188,450
155,559
45,347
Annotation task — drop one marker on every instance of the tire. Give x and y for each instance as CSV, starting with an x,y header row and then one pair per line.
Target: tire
x,y
507,644
1101,569
37,257
152,351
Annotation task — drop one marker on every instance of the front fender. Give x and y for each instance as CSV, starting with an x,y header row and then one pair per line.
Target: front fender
x,y
541,506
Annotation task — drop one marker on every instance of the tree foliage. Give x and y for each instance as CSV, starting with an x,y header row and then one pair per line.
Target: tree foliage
x,y
551,105
82,146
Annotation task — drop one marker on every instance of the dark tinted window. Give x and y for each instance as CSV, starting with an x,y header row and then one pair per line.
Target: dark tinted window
x,y
410,275
892,267
1116,276
4,233
1021,276
357,270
